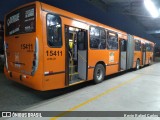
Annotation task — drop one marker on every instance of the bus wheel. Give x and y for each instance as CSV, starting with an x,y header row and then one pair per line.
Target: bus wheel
x,y
137,64
99,73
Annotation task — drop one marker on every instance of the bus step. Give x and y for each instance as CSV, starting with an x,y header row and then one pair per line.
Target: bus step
x,y
72,66
74,76
72,69
76,73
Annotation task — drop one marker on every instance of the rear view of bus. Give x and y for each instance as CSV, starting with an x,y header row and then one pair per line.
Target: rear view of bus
x,y
22,43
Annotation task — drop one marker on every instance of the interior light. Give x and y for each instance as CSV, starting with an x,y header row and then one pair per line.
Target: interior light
x,y
151,8
71,28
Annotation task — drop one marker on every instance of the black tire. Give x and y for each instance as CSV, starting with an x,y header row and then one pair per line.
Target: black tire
x,y
138,64
99,73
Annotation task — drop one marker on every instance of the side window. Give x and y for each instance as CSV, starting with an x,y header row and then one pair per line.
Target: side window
x,y
102,44
137,45
152,47
149,47
143,47
97,38
112,41
54,30
123,45
94,37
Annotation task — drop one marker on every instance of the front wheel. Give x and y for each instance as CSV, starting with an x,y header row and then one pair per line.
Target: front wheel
x,y
137,64
99,73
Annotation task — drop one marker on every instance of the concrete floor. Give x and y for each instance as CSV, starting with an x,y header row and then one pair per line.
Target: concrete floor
x,y
130,91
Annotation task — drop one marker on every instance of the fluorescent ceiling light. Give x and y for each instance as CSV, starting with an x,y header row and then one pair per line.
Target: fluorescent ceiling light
x,y
153,32
151,8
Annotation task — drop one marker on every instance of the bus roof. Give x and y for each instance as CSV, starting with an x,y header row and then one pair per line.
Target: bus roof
x,y
67,14
70,15
142,39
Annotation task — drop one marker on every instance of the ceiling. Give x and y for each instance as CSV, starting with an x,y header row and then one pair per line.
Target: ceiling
x,y
136,10
133,9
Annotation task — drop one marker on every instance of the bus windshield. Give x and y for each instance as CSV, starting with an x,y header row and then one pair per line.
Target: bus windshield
x,y
21,21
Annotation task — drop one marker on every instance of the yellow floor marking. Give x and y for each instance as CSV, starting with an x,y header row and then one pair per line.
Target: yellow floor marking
x,y
94,98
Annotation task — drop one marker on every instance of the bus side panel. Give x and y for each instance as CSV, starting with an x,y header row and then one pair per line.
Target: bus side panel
x,y
148,57
94,56
54,81
112,62
137,55
54,61
105,56
90,73
112,69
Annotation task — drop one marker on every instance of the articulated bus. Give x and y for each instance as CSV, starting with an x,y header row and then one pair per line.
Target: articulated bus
x,y
49,48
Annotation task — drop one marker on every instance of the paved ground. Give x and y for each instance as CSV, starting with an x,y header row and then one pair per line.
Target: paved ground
x,y
15,97
132,91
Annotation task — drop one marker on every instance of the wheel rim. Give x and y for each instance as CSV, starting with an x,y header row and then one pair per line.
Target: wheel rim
x,y
99,74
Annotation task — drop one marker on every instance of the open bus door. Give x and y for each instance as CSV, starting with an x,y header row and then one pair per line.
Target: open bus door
x,y
143,54
123,54
76,55
130,51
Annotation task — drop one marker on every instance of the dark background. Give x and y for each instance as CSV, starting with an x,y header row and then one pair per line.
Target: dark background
x,y
110,14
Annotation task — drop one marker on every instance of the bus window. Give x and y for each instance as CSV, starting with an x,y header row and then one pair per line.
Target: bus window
x,y
112,41
94,37
54,31
123,45
137,45
149,47
21,21
152,47
97,38
102,44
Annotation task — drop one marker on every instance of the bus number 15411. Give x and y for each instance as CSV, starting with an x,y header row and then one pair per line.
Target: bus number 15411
x,y
53,53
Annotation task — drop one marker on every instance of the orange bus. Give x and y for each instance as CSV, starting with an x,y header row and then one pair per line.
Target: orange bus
x,y
143,54
48,48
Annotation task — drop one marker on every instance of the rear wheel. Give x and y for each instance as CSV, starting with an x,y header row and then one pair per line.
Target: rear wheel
x,y
99,73
138,64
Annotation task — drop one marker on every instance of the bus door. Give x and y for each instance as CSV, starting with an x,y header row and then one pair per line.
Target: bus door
x,y
130,51
123,54
143,54
76,54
